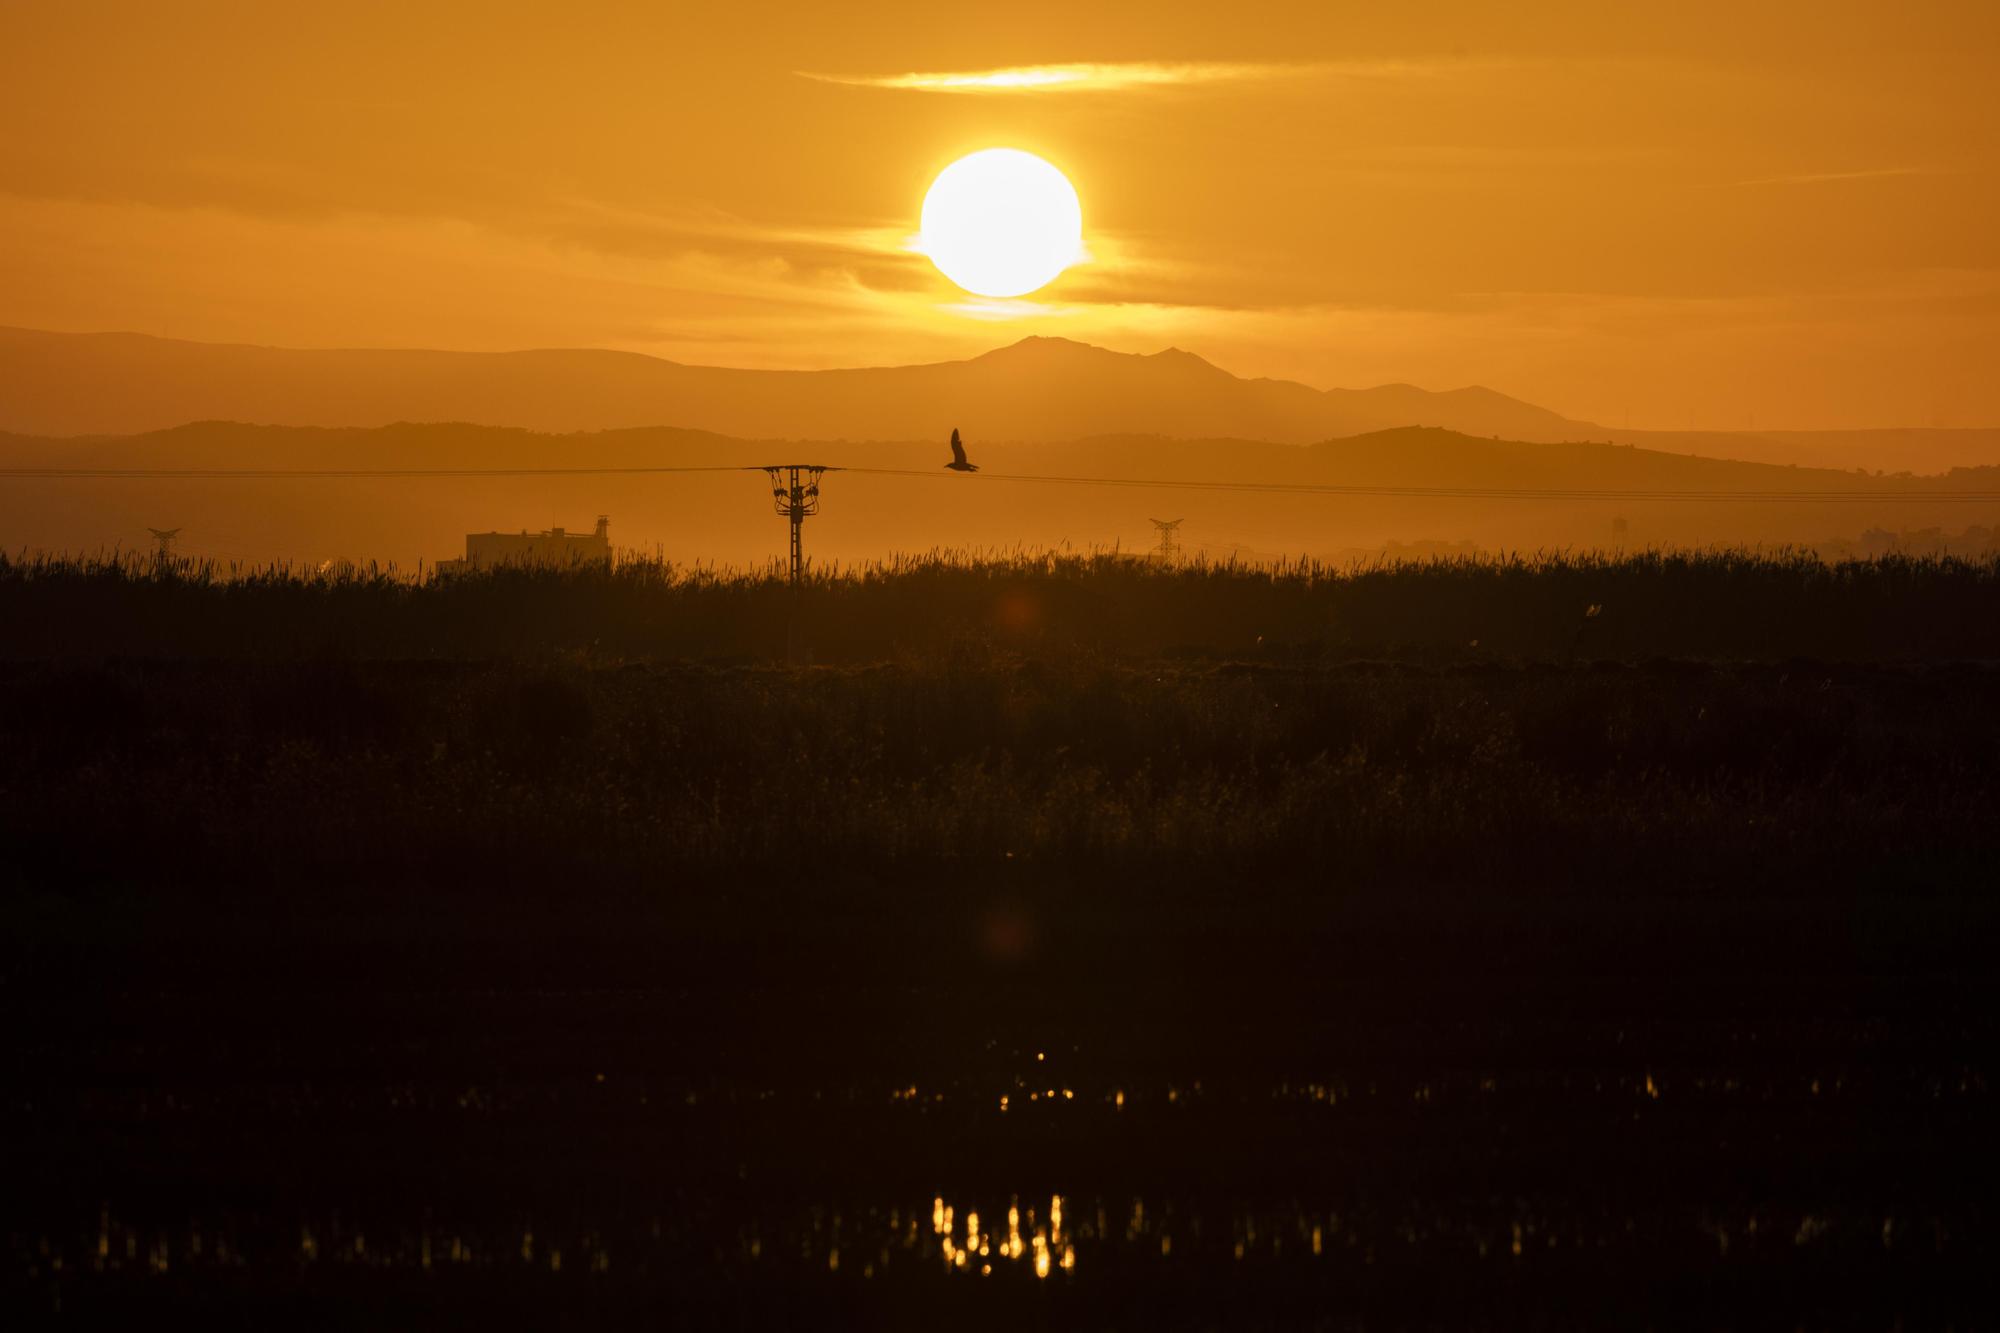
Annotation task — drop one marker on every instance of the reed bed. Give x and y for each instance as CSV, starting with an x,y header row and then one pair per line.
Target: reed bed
x,y
1733,605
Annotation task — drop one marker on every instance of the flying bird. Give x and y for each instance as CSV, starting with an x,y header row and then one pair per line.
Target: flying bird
x,y
958,463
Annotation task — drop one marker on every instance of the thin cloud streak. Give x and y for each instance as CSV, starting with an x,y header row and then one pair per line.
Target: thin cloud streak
x,y
1823,177
1119,77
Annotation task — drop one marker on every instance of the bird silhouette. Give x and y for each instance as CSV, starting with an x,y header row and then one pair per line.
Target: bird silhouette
x,y
958,463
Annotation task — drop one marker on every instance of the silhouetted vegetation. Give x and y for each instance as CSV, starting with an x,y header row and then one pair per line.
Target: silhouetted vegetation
x,y
1063,717
1345,777
1730,606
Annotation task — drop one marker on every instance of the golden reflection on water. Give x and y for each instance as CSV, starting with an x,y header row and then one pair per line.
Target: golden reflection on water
x,y
1052,1248
863,1244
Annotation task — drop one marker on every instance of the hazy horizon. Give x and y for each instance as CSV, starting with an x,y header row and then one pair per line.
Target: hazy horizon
x,y
108,382
1388,492
961,355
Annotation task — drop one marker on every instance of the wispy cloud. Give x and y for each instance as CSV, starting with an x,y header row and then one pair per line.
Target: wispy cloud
x,y
1824,177
619,229
1119,77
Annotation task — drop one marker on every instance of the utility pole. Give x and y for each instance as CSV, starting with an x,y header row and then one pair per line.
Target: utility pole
x,y
1168,548
795,496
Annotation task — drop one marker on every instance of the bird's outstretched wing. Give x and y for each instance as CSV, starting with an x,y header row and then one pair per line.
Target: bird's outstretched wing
x,y
957,448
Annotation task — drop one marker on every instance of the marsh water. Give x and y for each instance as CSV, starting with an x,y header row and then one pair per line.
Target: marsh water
x,y
914,1156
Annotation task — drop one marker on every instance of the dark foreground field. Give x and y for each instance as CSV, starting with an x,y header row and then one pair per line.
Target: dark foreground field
x,y
545,951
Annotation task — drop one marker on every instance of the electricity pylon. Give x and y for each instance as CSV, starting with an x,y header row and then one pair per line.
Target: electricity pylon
x,y
795,496
165,537
1168,548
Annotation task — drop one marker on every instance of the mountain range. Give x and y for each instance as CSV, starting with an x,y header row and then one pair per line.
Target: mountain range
x,y
1037,390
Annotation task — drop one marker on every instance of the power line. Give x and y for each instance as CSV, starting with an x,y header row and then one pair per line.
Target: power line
x,y
1514,493
1463,492
336,474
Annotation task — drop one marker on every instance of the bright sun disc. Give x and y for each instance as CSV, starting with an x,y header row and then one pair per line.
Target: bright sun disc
x,y
1002,223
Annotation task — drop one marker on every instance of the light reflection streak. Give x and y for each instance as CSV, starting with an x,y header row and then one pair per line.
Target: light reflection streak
x,y
1066,1235
1051,1246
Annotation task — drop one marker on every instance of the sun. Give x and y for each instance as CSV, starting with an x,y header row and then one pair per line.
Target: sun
x,y
1002,223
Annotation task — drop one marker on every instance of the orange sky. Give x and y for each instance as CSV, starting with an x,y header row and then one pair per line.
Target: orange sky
x,y
1692,214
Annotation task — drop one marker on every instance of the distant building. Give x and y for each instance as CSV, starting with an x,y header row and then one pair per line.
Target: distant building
x,y
557,548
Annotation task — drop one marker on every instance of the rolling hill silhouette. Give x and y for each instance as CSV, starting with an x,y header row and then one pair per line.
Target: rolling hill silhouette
x,y
1037,390
726,515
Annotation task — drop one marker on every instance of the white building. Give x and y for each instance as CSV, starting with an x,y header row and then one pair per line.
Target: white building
x,y
557,548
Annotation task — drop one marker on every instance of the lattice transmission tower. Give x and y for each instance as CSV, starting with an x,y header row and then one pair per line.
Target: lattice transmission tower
x,y
165,537
1168,547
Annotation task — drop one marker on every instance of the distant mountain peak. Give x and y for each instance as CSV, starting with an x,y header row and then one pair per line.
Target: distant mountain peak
x,y
1181,357
1046,349
1048,344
